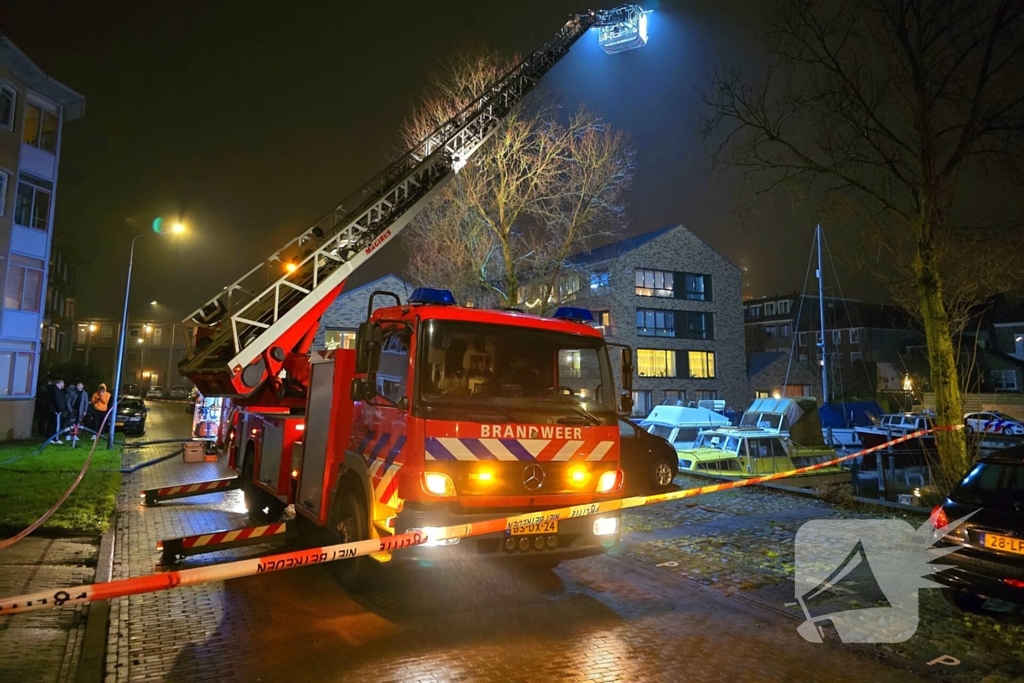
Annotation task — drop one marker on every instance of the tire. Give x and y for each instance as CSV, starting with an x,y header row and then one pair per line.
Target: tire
x,y
1008,431
661,475
263,508
347,523
969,429
963,600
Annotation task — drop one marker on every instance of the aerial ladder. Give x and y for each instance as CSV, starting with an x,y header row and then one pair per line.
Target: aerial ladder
x,y
253,339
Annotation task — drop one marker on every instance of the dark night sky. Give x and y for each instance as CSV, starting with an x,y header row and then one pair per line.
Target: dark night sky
x,y
256,118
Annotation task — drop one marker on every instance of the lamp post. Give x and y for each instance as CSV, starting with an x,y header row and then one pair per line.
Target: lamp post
x,y
177,228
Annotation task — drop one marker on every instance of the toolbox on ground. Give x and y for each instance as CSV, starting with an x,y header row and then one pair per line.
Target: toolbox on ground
x,y
193,451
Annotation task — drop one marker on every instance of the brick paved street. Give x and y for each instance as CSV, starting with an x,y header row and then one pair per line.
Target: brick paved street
x,y
696,592
44,646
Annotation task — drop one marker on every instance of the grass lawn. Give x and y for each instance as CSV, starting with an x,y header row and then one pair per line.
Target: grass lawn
x,y
31,485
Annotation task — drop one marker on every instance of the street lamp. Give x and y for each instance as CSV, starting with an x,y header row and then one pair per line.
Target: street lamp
x,y
177,228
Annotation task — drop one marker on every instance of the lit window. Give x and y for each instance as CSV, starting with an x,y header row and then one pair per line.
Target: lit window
x,y
654,283
655,363
32,203
654,323
599,283
40,128
8,100
339,339
24,284
702,364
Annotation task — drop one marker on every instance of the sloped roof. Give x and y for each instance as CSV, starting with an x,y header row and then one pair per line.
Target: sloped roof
x,y
759,361
616,249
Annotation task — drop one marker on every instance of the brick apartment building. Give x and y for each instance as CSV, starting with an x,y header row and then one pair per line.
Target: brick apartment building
x,y
677,303
33,109
863,342
152,351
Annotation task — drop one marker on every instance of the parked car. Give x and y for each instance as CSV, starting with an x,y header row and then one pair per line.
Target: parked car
x,y
990,561
130,390
649,461
155,391
131,415
177,392
993,422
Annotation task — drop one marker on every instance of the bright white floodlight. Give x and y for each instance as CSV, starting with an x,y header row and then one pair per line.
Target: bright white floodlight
x,y
623,28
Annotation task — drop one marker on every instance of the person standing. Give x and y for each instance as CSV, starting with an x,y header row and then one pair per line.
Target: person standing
x,y
80,405
58,408
99,405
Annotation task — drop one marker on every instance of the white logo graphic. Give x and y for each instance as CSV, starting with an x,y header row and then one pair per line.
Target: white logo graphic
x,y
882,563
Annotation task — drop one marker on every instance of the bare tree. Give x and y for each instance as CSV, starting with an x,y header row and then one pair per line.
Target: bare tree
x,y
905,117
540,190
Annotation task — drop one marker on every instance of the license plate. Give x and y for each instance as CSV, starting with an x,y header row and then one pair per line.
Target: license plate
x,y
119,424
1010,545
535,529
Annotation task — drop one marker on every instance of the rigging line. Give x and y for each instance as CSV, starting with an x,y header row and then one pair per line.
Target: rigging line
x,y
796,323
842,297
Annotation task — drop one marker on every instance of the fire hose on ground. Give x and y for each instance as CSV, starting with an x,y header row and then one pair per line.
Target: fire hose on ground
x,y
75,595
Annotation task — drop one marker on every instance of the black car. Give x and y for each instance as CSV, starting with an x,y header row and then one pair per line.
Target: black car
x,y
990,563
131,415
650,462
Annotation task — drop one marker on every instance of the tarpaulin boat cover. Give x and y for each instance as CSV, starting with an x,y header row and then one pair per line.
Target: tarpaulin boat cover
x,y
852,414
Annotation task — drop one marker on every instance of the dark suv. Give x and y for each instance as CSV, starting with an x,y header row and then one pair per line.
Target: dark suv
x,y
990,563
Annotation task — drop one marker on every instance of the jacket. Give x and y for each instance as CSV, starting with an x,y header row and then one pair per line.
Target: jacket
x,y
79,405
58,401
100,400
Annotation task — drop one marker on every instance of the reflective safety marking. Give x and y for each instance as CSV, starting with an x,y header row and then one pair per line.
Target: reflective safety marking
x,y
600,450
77,595
568,450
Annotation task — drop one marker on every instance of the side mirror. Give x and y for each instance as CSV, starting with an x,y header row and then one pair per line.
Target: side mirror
x,y
356,390
626,403
403,404
362,336
626,362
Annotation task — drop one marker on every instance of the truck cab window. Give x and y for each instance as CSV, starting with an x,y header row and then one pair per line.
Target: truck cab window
x,y
393,370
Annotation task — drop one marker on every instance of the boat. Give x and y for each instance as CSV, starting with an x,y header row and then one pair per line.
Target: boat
x,y
744,452
894,425
680,425
839,422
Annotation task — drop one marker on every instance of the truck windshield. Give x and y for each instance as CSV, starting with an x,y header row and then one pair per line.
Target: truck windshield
x,y
518,372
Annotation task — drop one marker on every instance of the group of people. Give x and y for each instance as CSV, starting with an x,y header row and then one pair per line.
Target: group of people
x,y
74,406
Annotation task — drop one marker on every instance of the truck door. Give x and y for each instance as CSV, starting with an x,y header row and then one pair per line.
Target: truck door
x,y
379,432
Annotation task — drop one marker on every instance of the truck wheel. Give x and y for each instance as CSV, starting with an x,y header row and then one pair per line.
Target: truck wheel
x,y
262,506
347,524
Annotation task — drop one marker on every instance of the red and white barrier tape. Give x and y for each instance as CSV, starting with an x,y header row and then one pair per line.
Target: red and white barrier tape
x,y
300,558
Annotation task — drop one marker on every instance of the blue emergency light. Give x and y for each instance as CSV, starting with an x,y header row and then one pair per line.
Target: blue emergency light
x,y
427,295
579,315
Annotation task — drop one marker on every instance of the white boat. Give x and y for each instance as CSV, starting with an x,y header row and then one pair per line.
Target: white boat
x,y
680,425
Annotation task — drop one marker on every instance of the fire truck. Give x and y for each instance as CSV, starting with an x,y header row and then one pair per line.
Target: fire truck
x,y
441,414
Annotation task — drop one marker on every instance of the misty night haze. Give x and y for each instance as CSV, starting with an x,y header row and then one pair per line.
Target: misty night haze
x,y
253,121
504,342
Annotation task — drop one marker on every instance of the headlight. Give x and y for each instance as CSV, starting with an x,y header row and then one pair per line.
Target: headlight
x,y
609,481
432,533
438,484
606,526
135,418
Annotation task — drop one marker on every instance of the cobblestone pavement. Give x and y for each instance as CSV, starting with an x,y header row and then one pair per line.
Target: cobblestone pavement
x,y
44,646
619,617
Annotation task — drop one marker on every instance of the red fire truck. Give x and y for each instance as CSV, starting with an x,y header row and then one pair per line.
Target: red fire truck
x,y
441,414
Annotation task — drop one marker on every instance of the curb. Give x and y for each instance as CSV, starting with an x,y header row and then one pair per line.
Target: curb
x,y
92,665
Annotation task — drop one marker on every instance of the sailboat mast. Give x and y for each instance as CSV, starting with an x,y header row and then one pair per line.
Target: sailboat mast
x,y
821,313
